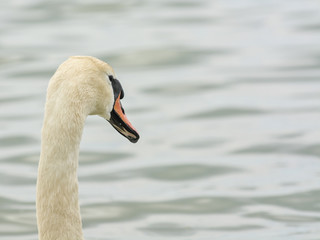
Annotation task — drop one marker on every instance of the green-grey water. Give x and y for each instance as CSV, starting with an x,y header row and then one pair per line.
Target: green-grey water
x,y
225,96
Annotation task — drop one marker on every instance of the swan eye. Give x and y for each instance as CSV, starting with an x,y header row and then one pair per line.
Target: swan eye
x,y
111,78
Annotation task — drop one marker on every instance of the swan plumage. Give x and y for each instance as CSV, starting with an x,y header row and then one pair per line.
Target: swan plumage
x,y
81,86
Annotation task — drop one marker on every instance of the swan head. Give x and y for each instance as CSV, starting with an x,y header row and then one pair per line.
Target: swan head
x,y
91,85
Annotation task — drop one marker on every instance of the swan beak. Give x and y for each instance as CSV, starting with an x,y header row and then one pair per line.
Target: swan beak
x,y
121,123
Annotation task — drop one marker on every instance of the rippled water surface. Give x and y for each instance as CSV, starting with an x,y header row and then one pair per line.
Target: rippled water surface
x,y
226,98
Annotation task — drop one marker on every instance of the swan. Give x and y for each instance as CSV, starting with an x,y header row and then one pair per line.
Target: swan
x,y
81,86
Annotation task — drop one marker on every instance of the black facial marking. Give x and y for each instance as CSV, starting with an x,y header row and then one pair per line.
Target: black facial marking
x,y
117,88
111,78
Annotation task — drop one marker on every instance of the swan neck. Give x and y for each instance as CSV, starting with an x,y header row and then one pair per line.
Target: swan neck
x,y
58,212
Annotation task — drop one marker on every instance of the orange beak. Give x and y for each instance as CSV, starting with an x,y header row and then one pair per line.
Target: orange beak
x,y
121,123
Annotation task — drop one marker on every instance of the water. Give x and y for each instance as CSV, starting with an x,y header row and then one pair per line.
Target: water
x,y
225,95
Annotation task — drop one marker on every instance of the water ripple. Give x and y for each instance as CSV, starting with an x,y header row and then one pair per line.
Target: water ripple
x,y
166,173
121,211
10,141
162,57
280,147
224,112
184,89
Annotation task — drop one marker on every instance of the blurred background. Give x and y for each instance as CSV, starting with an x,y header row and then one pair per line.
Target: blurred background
x,y
226,98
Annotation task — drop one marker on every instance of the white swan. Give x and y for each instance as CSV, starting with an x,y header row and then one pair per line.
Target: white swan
x,y
80,87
